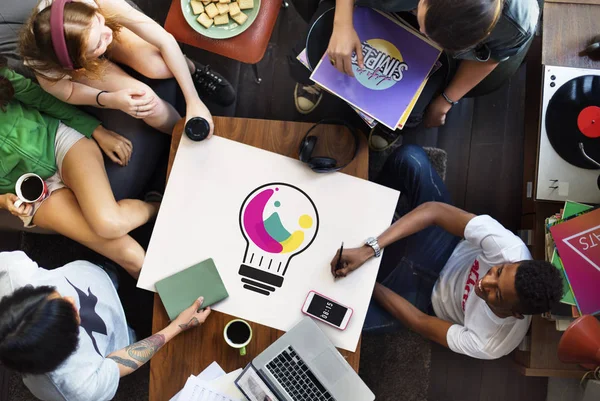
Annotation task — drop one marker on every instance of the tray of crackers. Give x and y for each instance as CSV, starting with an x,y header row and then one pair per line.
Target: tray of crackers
x,y
220,19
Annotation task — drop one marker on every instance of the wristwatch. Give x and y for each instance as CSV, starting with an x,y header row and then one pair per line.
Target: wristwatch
x,y
372,242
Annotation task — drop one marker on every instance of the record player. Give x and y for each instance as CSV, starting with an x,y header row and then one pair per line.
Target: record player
x,y
569,156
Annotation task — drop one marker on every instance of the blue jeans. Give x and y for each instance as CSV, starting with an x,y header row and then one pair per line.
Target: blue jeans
x,y
411,266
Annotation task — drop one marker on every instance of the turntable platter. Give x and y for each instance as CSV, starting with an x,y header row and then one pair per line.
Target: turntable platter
x,y
573,121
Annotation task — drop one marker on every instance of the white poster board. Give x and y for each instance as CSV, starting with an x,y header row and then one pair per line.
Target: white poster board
x,y
269,222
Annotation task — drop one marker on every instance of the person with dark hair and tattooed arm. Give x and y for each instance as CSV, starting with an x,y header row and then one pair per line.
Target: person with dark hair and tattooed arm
x,y
461,280
65,331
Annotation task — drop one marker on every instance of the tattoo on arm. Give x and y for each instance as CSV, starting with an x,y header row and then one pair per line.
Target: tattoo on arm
x,y
125,362
145,349
192,323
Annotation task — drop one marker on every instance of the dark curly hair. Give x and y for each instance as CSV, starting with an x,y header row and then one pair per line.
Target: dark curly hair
x,y
6,89
37,334
539,286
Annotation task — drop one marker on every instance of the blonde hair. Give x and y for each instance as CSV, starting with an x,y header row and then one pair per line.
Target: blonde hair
x,y
36,48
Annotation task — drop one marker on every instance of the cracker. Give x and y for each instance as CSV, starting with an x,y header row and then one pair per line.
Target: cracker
x,y
240,18
211,10
222,19
225,1
205,20
223,8
197,7
246,4
234,9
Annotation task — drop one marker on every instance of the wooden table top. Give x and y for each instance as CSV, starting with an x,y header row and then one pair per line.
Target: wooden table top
x,y
192,351
568,28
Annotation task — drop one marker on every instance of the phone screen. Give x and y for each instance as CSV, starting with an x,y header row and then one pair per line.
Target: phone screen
x,y
327,310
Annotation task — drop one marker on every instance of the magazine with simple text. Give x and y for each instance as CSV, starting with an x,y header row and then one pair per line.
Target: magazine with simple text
x,y
397,62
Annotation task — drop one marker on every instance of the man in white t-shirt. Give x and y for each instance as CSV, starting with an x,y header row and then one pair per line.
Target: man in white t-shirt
x,y
483,288
65,331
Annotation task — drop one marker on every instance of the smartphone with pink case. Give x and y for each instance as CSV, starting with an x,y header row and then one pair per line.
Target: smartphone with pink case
x,y
327,310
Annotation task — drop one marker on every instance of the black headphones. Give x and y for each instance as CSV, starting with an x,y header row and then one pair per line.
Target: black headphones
x,y
324,164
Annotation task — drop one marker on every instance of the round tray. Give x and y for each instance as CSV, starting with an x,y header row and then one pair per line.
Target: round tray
x,y
219,31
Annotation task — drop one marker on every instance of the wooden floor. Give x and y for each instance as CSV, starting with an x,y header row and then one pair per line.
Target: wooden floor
x,y
455,377
484,141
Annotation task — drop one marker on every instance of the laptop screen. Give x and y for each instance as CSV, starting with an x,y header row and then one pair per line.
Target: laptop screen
x,y
253,387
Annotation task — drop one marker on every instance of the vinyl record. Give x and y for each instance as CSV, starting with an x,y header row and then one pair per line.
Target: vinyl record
x,y
318,36
573,118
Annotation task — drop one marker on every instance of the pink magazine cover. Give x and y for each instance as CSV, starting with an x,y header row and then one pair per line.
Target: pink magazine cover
x,y
578,244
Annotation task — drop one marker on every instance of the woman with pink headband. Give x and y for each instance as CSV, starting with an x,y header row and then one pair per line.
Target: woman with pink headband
x,y
73,46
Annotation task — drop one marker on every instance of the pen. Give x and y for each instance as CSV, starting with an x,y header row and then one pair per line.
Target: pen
x,y
338,265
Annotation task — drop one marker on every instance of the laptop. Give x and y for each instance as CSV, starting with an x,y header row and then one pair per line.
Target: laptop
x,y
302,365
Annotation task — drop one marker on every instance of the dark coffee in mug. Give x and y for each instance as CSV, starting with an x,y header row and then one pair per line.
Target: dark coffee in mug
x,y
32,188
238,332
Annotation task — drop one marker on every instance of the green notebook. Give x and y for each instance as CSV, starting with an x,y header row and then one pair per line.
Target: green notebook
x,y
180,290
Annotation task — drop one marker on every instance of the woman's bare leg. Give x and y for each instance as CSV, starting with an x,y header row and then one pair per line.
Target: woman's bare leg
x,y
114,78
147,59
142,56
84,173
61,213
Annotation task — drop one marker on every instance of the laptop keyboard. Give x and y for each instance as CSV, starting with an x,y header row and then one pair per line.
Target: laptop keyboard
x,y
296,378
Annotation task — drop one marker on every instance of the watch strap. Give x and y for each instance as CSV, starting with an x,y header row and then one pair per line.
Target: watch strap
x,y
372,242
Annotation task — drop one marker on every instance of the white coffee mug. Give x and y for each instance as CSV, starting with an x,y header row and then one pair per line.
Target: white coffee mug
x,y
22,198
244,342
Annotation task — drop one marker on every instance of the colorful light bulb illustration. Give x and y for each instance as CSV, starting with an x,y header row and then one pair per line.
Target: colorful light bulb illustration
x,y
278,221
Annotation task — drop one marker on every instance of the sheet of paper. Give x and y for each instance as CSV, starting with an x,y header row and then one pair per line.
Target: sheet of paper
x,y
179,395
176,396
199,390
226,385
212,372
273,226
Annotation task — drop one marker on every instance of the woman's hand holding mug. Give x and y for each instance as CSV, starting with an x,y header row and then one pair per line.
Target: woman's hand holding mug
x,y
9,202
30,188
